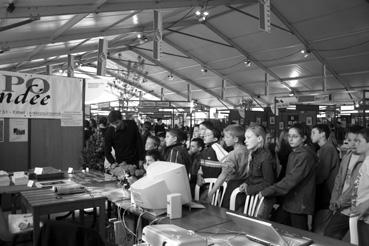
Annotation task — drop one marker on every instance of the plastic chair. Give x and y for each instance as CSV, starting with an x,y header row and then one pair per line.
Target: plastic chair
x,y
7,235
354,238
217,198
252,203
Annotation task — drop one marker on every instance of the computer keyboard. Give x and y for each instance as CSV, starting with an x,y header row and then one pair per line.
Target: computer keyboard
x,y
292,240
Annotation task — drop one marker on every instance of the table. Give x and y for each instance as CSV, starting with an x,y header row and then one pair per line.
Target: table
x,y
44,201
213,220
13,191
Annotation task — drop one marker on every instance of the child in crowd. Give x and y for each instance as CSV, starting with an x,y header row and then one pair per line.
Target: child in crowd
x,y
360,199
340,203
195,132
210,156
151,156
261,168
327,171
175,151
234,167
161,148
196,146
298,186
152,142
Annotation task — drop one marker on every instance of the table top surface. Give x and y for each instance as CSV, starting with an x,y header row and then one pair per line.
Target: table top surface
x,y
42,197
213,221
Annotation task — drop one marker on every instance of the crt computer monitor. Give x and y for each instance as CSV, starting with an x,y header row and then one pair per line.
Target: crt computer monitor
x,y
162,178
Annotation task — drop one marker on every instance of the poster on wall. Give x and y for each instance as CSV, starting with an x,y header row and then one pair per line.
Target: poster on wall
x,y
39,96
281,125
272,120
2,130
18,130
309,120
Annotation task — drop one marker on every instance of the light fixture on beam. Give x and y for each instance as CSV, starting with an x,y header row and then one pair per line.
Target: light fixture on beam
x,y
170,76
202,14
247,63
204,69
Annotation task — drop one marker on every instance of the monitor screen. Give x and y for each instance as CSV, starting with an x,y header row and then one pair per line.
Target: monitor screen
x,y
162,178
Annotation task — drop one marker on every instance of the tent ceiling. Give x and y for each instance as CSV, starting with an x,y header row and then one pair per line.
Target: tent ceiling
x,y
38,33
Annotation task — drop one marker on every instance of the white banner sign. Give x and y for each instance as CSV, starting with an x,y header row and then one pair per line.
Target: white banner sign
x,y
39,96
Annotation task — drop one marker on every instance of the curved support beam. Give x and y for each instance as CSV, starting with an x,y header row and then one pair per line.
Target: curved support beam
x,y
152,79
181,76
26,9
252,95
248,55
320,58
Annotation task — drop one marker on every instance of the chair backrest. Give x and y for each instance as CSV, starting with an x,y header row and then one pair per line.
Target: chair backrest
x,y
252,203
217,198
354,238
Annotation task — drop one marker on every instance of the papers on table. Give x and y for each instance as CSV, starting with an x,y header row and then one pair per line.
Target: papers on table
x,y
20,178
4,178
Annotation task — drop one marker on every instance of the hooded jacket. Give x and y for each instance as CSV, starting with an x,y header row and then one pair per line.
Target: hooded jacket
x,y
341,200
298,186
178,153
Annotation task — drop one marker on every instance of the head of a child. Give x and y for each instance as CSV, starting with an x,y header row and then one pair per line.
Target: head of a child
x,y
255,137
205,125
211,135
234,134
320,133
196,146
161,137
349,142
172,137
196,131
152,142
151,156
298,135
362,142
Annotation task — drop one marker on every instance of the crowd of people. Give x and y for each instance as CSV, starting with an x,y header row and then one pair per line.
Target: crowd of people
x,y
306,180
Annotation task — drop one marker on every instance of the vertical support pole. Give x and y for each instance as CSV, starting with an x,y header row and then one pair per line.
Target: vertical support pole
x,y
364,106
158,34
267,84
162,94
223,89
70,70
49,69
102,56
189,93
324,85
83,111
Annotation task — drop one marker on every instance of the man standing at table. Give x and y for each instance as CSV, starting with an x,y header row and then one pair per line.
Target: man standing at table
x,y
123,136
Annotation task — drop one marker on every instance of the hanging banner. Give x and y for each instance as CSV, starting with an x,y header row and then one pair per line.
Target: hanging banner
x,y
39,96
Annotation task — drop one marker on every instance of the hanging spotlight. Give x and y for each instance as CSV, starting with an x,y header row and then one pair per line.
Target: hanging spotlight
x,y
139,35
302,51
202,14
247,63
306,53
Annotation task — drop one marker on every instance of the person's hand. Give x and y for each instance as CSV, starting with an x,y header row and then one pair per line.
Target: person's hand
x,y
141,164
200,180
333,207
260,195
243,187
114,165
